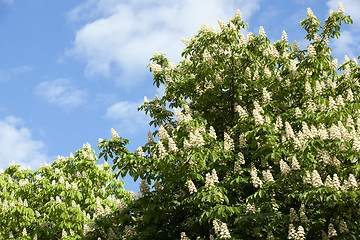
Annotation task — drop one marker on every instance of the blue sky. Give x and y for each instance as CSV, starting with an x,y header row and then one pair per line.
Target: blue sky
x,y
71,70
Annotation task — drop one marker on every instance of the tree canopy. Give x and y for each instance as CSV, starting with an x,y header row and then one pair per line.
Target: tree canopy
x,y
256,140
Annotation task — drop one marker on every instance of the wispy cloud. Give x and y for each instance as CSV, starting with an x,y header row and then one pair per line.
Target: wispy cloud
x,y
126,116
346,45
18,145
61,92
2,2
121,37
8,74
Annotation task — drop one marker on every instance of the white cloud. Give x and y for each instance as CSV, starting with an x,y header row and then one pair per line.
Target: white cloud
x,y
121,37
127,117
61,92
17,145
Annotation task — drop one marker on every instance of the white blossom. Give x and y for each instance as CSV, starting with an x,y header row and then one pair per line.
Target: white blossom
x,y
250,208
289,131
284,167
296,46
334,64
114,133
308,89
293,215
161,149
262,32
350,96
331,231
163,135
228,142
300,235
267,176
212,132
191,186
295,164
242,112
284,36
310,13
266,96
343,226
291,232
254,177
316,179
311,52
341,9
155,68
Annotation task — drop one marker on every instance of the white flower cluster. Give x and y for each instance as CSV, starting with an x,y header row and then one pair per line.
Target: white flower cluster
x,y
212,132
267,72
303,217
144,188
114,133
266,96
296,235
293,215
292,66
259,120
196,139
278,124
331,231
242,140
319,87
228,142
250,208
221,229
343,226
182,118
310,13
271,51
311,52
256,181
308,89
238,15
140,152
341,9
334,183
296,46
284,37
295,164
183,236
172,145
191,186
129,231
242,112
262,32
163,135
268,177
316,179
161,149
289,131
284,167
211,179
238,163
155,68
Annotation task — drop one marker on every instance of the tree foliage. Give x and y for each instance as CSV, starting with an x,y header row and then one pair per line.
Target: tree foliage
x,y
256,140
68,199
